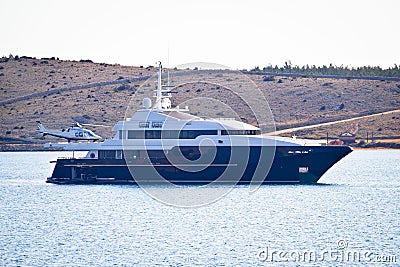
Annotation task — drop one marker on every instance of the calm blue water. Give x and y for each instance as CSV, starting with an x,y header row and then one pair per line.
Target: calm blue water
x,y
356,210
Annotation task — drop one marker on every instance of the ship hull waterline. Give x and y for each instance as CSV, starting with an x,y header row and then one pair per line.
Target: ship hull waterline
x,y
289,165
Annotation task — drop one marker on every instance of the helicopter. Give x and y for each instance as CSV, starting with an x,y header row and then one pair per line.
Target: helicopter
x,y
75,132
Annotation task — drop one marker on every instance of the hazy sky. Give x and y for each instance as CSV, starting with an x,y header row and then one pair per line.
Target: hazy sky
x,y
238,34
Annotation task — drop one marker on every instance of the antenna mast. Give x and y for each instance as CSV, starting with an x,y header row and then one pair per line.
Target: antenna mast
x,y
159,87
168,67
163,95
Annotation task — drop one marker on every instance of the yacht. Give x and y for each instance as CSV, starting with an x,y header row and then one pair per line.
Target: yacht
x,y
161,144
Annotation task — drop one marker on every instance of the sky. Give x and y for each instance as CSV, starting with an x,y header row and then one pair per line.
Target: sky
x,y
236,34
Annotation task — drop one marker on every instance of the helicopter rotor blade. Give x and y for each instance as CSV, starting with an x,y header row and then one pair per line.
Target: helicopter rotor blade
x,y
95,125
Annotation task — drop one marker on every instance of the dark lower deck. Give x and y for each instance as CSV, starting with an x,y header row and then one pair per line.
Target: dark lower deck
x,y
191,165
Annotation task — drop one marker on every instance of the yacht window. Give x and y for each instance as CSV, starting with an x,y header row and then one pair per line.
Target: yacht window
x,y
169,134
240,132
185,134
106,154
153,134
138,134
119,154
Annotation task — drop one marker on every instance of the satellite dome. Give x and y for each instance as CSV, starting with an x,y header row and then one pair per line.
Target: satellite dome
x,y
147,103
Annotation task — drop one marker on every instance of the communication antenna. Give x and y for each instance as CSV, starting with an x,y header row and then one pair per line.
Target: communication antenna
x,y
168,66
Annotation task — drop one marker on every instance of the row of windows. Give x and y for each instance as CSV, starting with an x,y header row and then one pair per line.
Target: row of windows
x,y
168,134
240,132
184,134
130,154
107,154
118,154
188,152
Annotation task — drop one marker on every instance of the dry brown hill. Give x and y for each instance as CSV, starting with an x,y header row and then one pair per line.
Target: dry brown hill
x,y
60,92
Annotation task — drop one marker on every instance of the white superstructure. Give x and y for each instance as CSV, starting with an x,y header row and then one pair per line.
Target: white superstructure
x,y
163,126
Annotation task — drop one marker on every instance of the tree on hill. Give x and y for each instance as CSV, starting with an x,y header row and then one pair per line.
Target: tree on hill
x,y
332,70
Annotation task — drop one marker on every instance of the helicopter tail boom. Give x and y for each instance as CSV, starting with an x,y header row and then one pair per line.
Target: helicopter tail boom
x,y
41,127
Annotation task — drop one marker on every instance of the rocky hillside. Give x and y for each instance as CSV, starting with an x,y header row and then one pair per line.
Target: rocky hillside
x,y
59,92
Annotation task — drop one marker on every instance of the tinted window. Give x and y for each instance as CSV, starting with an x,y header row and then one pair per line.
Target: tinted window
x,y
185,134
169,134
240,132
136,134
106,154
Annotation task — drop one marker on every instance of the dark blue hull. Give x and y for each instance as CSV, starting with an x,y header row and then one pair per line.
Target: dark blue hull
x,y
300,164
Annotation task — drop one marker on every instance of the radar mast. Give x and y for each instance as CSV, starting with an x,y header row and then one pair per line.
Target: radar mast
x,y
163,95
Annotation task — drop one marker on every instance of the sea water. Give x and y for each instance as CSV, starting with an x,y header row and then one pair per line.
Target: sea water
x,y
351,218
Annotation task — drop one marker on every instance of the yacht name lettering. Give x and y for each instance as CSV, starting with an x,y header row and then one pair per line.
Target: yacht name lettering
x,y
154,124
157,124
144,124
